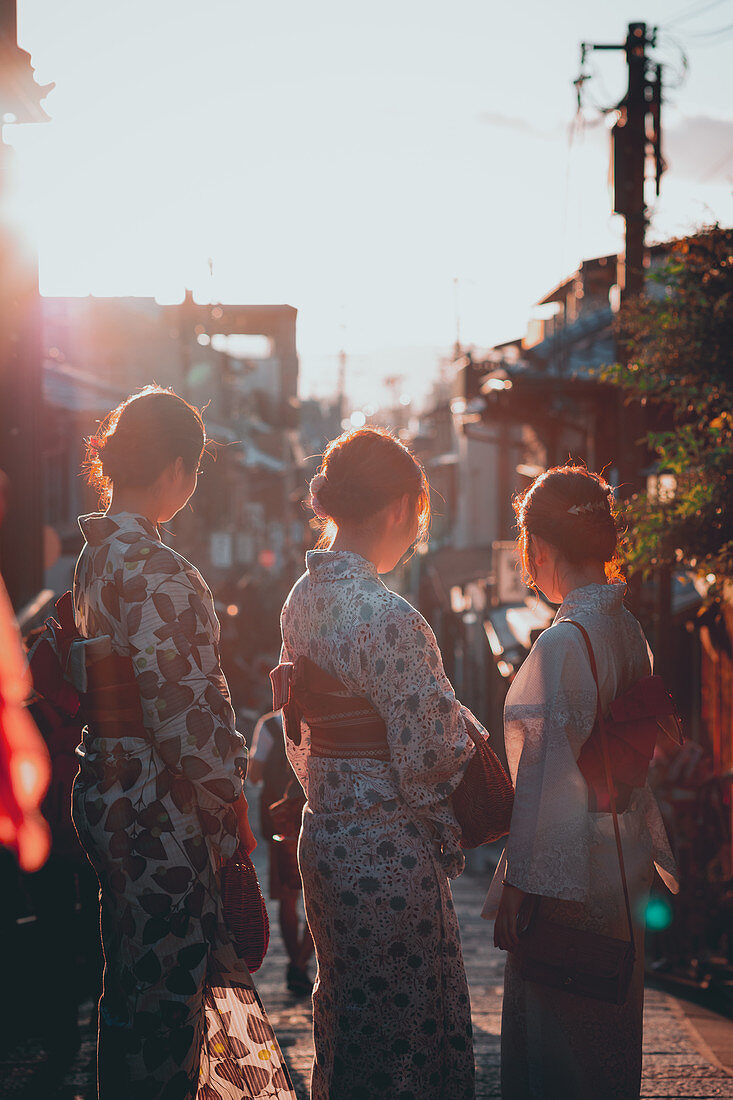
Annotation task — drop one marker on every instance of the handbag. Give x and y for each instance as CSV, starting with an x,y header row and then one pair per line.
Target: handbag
x,y
589,964
244,909
483,800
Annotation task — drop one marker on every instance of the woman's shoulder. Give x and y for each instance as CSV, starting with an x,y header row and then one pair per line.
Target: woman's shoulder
x,y
137,563
557,640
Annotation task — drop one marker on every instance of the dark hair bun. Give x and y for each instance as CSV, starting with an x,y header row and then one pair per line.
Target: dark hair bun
x,y
142,436
572,508
362,472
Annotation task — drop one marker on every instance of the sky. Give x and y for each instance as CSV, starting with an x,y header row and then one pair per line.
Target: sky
x,y
395,170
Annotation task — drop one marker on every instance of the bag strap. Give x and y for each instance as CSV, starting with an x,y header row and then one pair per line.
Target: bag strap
x,y
601,723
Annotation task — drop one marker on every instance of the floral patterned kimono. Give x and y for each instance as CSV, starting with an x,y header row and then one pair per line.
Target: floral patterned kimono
x,y
391,1013
179,1014
556,1043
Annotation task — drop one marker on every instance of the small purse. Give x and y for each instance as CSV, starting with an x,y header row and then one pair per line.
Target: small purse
x,y
244,909
483,800
588,964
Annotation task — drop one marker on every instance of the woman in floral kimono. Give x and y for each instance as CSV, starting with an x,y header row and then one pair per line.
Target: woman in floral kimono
x,y
379,841
556,1043
160,807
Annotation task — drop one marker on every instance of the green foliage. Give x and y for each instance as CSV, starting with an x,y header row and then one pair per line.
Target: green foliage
x,y
677,342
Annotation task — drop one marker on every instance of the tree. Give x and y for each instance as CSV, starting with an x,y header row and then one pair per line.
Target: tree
x,y
677,343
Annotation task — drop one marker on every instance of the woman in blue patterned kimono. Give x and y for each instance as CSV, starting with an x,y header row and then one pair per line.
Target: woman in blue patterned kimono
x,y
159,808
379,840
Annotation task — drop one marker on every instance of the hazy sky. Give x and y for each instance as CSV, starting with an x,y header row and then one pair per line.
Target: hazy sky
x,y
353,160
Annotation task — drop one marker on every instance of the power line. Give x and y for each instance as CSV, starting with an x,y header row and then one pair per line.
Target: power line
x,y
693,11
711,34
718,38
718,166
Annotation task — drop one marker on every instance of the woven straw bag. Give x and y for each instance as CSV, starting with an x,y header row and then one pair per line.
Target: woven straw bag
x,y
245,912
483,800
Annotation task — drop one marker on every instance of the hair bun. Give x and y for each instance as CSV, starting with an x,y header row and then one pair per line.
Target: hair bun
x,y
317,484
362,472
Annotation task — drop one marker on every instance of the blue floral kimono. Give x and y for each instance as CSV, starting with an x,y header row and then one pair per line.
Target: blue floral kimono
x,y
379,841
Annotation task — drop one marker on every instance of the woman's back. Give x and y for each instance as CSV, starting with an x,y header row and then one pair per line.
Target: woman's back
x,y
341,616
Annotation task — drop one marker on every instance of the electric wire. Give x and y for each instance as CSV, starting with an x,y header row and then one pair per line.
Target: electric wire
x,y
693,12
719,164
711,33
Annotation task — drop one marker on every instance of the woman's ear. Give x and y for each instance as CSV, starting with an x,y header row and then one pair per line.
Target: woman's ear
x,y
539,549
404,513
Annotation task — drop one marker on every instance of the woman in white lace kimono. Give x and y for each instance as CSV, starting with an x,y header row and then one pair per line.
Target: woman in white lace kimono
x,y
158,803
379,841
555,1043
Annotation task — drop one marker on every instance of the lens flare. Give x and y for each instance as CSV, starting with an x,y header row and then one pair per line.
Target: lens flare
x,y
658,914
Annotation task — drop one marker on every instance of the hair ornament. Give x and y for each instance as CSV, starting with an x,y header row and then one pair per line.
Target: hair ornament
x,y
592,507
317,483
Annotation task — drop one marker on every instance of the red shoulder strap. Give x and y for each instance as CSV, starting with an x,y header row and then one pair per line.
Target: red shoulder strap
x,y
601,724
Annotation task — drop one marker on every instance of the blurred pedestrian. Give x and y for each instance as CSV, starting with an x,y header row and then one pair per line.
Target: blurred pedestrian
x,y
281,808
382,746
158,801
562,846
64,892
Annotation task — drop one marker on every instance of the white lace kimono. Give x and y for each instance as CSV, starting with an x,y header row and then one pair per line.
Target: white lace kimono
x,y
556,1043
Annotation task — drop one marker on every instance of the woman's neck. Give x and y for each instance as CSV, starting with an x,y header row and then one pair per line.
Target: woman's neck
x,y
579,577
361,544
141,502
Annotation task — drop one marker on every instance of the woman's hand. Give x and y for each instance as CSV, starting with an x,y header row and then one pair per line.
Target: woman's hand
x,y
246,836
506,936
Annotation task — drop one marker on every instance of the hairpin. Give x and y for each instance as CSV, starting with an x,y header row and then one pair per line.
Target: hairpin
x,y
590,507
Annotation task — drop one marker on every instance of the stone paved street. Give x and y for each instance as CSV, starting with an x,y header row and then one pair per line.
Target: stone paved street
x,y
677,1062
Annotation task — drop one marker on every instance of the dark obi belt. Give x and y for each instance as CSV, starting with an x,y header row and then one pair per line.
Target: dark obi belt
x,y
109,703
341,725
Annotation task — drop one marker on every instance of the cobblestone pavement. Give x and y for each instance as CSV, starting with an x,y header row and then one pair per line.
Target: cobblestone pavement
x,y
677,1063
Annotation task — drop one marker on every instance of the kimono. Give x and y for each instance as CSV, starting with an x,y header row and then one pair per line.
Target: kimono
x,y
379,841
555,1043
179,1015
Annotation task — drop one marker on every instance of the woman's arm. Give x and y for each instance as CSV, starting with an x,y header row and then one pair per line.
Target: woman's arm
x,y
247,838
549,713
405,680
505,925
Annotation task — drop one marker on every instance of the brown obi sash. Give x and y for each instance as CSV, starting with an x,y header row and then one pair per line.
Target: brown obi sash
x,y
111,705
342,726
85,679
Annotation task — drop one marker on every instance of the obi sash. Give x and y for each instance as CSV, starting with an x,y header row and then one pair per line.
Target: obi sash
x,y
84,679
341,725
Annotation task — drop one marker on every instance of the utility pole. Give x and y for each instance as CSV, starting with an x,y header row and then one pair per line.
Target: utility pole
x,y
341,384
21,395
636,139
635,136
457,311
